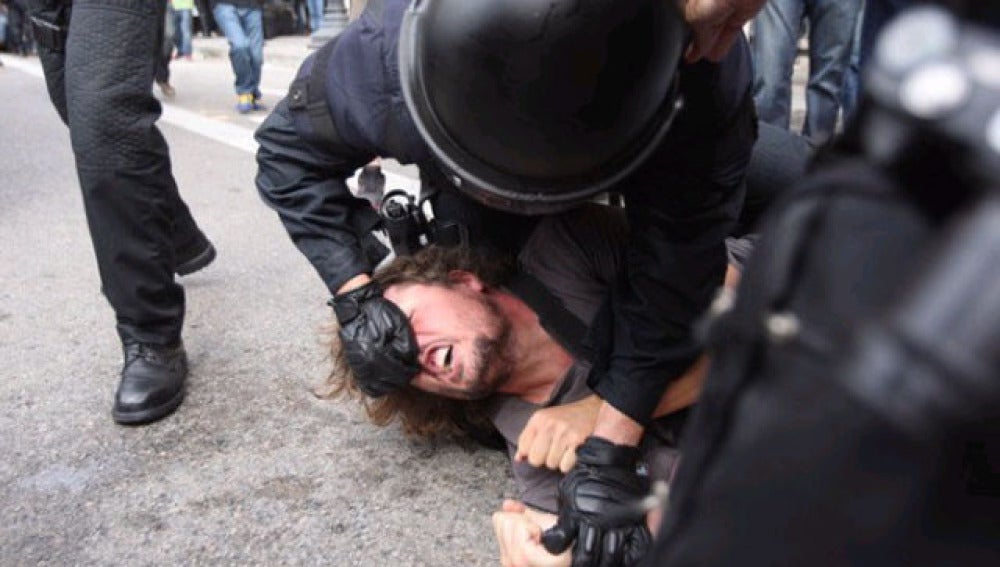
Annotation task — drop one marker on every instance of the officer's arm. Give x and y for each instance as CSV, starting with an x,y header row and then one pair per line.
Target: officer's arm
x,y
681,207
307,188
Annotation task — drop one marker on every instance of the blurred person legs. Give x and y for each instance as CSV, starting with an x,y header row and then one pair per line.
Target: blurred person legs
x,y
301,16
18,38
831,26
315,13
99,71
206,23
182,27
244,29
852,78
162,72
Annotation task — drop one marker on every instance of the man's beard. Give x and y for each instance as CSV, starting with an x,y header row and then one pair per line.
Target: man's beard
x,y
491,354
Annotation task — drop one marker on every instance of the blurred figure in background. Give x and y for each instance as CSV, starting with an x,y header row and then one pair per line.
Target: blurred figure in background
x,y
243,24
19,38
182,27
315,14
162,74
775,45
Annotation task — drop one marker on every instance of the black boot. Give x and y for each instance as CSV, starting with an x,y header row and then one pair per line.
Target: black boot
x,y
152,384
194,257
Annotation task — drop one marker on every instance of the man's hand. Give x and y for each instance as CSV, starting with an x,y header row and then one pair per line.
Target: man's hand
x,y
715,25
552,434
519,530
377,339
600,507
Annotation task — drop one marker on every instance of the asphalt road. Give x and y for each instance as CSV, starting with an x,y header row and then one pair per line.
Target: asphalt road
x,y
252,469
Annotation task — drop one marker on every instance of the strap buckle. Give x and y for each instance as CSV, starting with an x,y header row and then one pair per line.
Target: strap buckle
x,y
50,35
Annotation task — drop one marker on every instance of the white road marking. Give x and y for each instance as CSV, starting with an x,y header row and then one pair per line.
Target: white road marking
x,y
30,66
274,93
232,135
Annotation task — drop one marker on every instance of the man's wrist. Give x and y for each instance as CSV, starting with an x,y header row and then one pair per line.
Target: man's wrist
x,y
354,283
616,427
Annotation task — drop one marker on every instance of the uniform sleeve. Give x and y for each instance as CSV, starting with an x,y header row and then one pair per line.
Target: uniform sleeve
x,y
681,207
306,187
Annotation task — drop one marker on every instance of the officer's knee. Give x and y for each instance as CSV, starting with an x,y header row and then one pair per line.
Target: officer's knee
x,y
104,130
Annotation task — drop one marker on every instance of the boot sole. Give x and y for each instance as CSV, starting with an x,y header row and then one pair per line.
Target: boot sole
x,y
198,262
149,415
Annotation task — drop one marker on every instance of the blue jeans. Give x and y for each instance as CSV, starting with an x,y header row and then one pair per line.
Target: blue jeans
x,y
316,13
850,96
182,31
244,28
776,32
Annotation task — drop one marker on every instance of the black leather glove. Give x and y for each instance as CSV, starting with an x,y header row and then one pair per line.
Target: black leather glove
x,y
377,339
599,507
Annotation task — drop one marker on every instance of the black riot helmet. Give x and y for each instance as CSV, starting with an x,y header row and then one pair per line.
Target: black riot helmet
x,y
536,105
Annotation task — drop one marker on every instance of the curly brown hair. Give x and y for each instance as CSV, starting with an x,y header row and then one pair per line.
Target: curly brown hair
x,y
422,414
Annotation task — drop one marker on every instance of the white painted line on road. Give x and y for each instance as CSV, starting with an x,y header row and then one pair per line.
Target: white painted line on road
x,y
30,66
232,135
276,93
229,134
223,132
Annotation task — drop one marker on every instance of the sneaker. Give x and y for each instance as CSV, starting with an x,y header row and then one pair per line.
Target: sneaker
x,y
245,103
257,104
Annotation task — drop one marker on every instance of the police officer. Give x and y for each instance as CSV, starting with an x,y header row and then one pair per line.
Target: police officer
x,y
532,108
99,57
852,415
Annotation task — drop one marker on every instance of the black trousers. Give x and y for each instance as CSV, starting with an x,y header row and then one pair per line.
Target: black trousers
x,y
101,85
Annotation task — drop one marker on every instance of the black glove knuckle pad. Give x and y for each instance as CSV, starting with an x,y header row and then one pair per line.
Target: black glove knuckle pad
x,y
598,507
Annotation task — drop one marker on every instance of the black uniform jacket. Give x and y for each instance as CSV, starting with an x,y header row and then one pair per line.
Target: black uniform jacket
x,y
681,204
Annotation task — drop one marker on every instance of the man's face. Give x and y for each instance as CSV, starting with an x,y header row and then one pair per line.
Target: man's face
x,y
462,335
